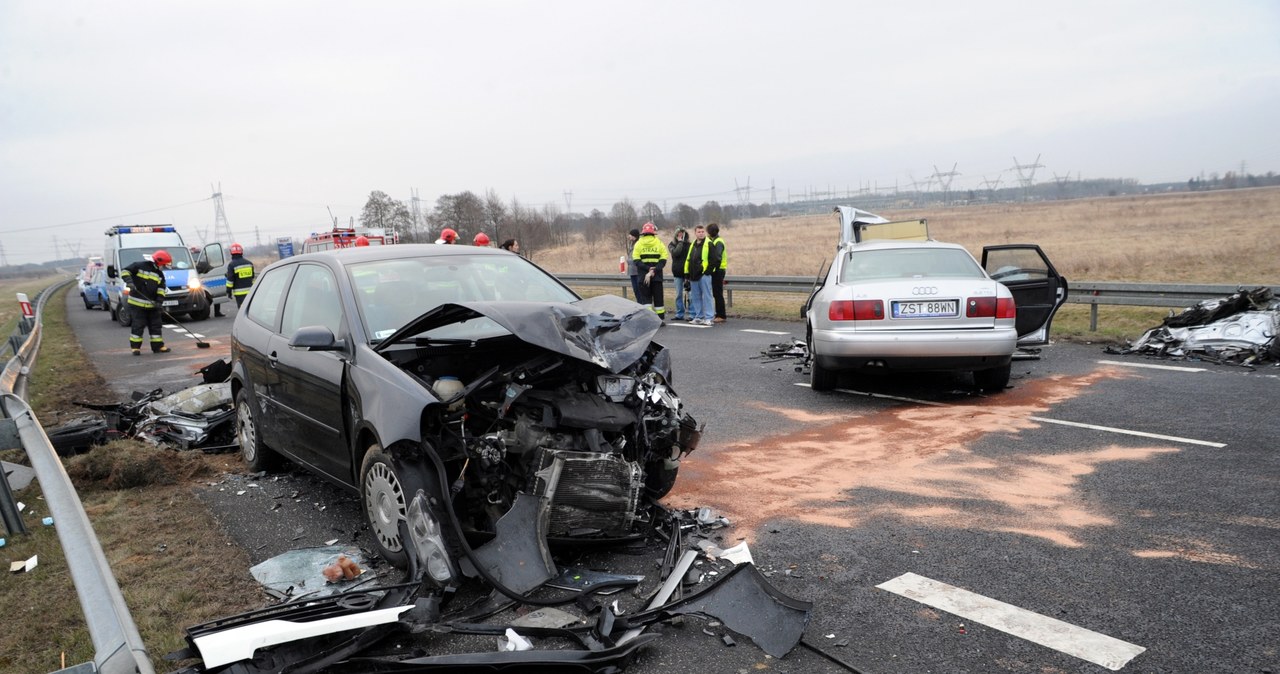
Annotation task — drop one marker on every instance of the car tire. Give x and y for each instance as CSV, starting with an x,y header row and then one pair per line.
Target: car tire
x,y
821,378
994,380
658,479
88,306
122,314
385,504
257,457
105,305
201,314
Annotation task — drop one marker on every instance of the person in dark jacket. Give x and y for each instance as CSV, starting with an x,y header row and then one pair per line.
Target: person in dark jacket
x,y
701,259
679,248
240,274
717,274
144,281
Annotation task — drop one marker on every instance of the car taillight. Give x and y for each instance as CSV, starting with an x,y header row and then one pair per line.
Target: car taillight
x,y
856,310
990,307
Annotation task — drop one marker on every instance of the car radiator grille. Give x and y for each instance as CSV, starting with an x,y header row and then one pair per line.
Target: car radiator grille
x,y
597,493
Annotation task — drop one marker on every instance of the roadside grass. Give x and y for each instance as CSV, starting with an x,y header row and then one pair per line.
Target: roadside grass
x,y
9,289
169,555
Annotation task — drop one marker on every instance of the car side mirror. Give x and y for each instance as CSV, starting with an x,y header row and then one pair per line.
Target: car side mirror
x,y
111,271
315,338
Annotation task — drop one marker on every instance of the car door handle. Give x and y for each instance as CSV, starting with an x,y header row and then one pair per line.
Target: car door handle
x,y
273,358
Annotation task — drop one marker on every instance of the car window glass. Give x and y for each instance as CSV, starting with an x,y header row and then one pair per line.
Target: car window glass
x,y
1016,264
312,300
391,293
264,304
899,263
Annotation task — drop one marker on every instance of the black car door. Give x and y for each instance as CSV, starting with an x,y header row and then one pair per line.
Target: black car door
x,y
1038,289
251,338
311,381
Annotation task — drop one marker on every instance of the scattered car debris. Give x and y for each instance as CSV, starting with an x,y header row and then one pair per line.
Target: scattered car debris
x,y
199,417
572,626
23,566
18,475
298,574
1239,329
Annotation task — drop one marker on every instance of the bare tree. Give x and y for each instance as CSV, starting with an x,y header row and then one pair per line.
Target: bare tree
x,y
594,228
462,212
624,216
383,212
495,215
686,216
650,212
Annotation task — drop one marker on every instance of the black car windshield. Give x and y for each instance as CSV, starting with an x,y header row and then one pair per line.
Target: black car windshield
x,y
393,292
896,263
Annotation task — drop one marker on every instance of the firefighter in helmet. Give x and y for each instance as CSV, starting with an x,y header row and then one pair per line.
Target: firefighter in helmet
x,y
650,255
240,274
447,236
144,283
361,241
481,239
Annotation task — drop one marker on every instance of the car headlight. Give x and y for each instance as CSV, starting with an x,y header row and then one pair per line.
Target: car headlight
x,y
428,541
615,388
194,284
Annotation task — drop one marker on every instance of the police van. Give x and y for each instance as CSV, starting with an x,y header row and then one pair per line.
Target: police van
x,y
193,286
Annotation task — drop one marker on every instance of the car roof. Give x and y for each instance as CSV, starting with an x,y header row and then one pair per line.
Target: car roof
x,y
352,255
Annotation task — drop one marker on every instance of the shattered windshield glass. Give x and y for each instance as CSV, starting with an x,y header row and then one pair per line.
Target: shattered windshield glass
x,y
391,293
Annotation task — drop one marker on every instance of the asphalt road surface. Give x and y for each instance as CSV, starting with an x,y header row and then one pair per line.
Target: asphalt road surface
x,y
1103,513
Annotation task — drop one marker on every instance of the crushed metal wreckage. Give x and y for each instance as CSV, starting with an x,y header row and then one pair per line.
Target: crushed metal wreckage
x,y
200,417
343,631
1238,329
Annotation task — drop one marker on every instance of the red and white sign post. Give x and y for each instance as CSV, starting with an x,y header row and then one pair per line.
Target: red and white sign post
x,y
23,302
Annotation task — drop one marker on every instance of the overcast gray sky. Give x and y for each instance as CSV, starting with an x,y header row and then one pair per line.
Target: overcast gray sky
x,y
116,112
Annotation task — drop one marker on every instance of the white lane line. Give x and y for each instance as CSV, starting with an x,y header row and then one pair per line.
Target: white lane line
x,y
682,324
1079,642
1125,431
1150,366
764,332
1047,420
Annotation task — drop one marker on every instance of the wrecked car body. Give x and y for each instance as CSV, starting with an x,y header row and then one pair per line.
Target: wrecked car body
x,y
1240,329
465,393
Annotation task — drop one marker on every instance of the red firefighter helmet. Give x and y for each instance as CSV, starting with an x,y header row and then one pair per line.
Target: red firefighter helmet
x,y
482,239
237,249
362,240
162,258
648,228
448,235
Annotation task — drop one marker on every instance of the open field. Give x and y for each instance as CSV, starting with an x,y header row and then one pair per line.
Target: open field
x,y
1203,237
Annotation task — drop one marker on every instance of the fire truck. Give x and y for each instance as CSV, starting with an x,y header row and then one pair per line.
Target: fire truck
x,y
345,237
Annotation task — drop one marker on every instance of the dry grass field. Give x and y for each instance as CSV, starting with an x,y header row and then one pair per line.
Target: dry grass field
x,y
1204,237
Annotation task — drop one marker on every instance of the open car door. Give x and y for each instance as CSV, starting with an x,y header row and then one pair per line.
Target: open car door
x,y
1038,289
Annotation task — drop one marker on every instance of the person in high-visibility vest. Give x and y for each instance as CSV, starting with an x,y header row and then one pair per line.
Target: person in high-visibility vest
x,y
240,274
650,255
144,281
717,274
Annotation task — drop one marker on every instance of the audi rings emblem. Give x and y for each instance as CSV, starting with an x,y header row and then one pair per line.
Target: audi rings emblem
x,y
924,290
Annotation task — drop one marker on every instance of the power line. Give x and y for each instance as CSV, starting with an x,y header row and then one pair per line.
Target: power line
x,y
103,219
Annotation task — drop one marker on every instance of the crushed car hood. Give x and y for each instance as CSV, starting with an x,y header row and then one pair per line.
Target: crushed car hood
x,y
607,330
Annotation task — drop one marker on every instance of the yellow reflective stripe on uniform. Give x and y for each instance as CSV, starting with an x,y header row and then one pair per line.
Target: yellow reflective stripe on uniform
x,y
244,272
150,276
239,291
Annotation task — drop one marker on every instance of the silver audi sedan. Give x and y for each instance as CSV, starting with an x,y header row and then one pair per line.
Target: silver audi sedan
x,y
895,300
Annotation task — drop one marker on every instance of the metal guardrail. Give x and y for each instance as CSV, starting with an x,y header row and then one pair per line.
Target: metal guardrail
x,y
1093,293
118,647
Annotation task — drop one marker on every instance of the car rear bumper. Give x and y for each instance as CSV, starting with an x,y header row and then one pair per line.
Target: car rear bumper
x,y
914,350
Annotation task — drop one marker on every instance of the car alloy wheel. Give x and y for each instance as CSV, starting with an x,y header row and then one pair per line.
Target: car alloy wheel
x,y
384,504
256,457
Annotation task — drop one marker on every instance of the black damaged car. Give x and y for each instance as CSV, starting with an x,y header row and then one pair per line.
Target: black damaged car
x,y
467,395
